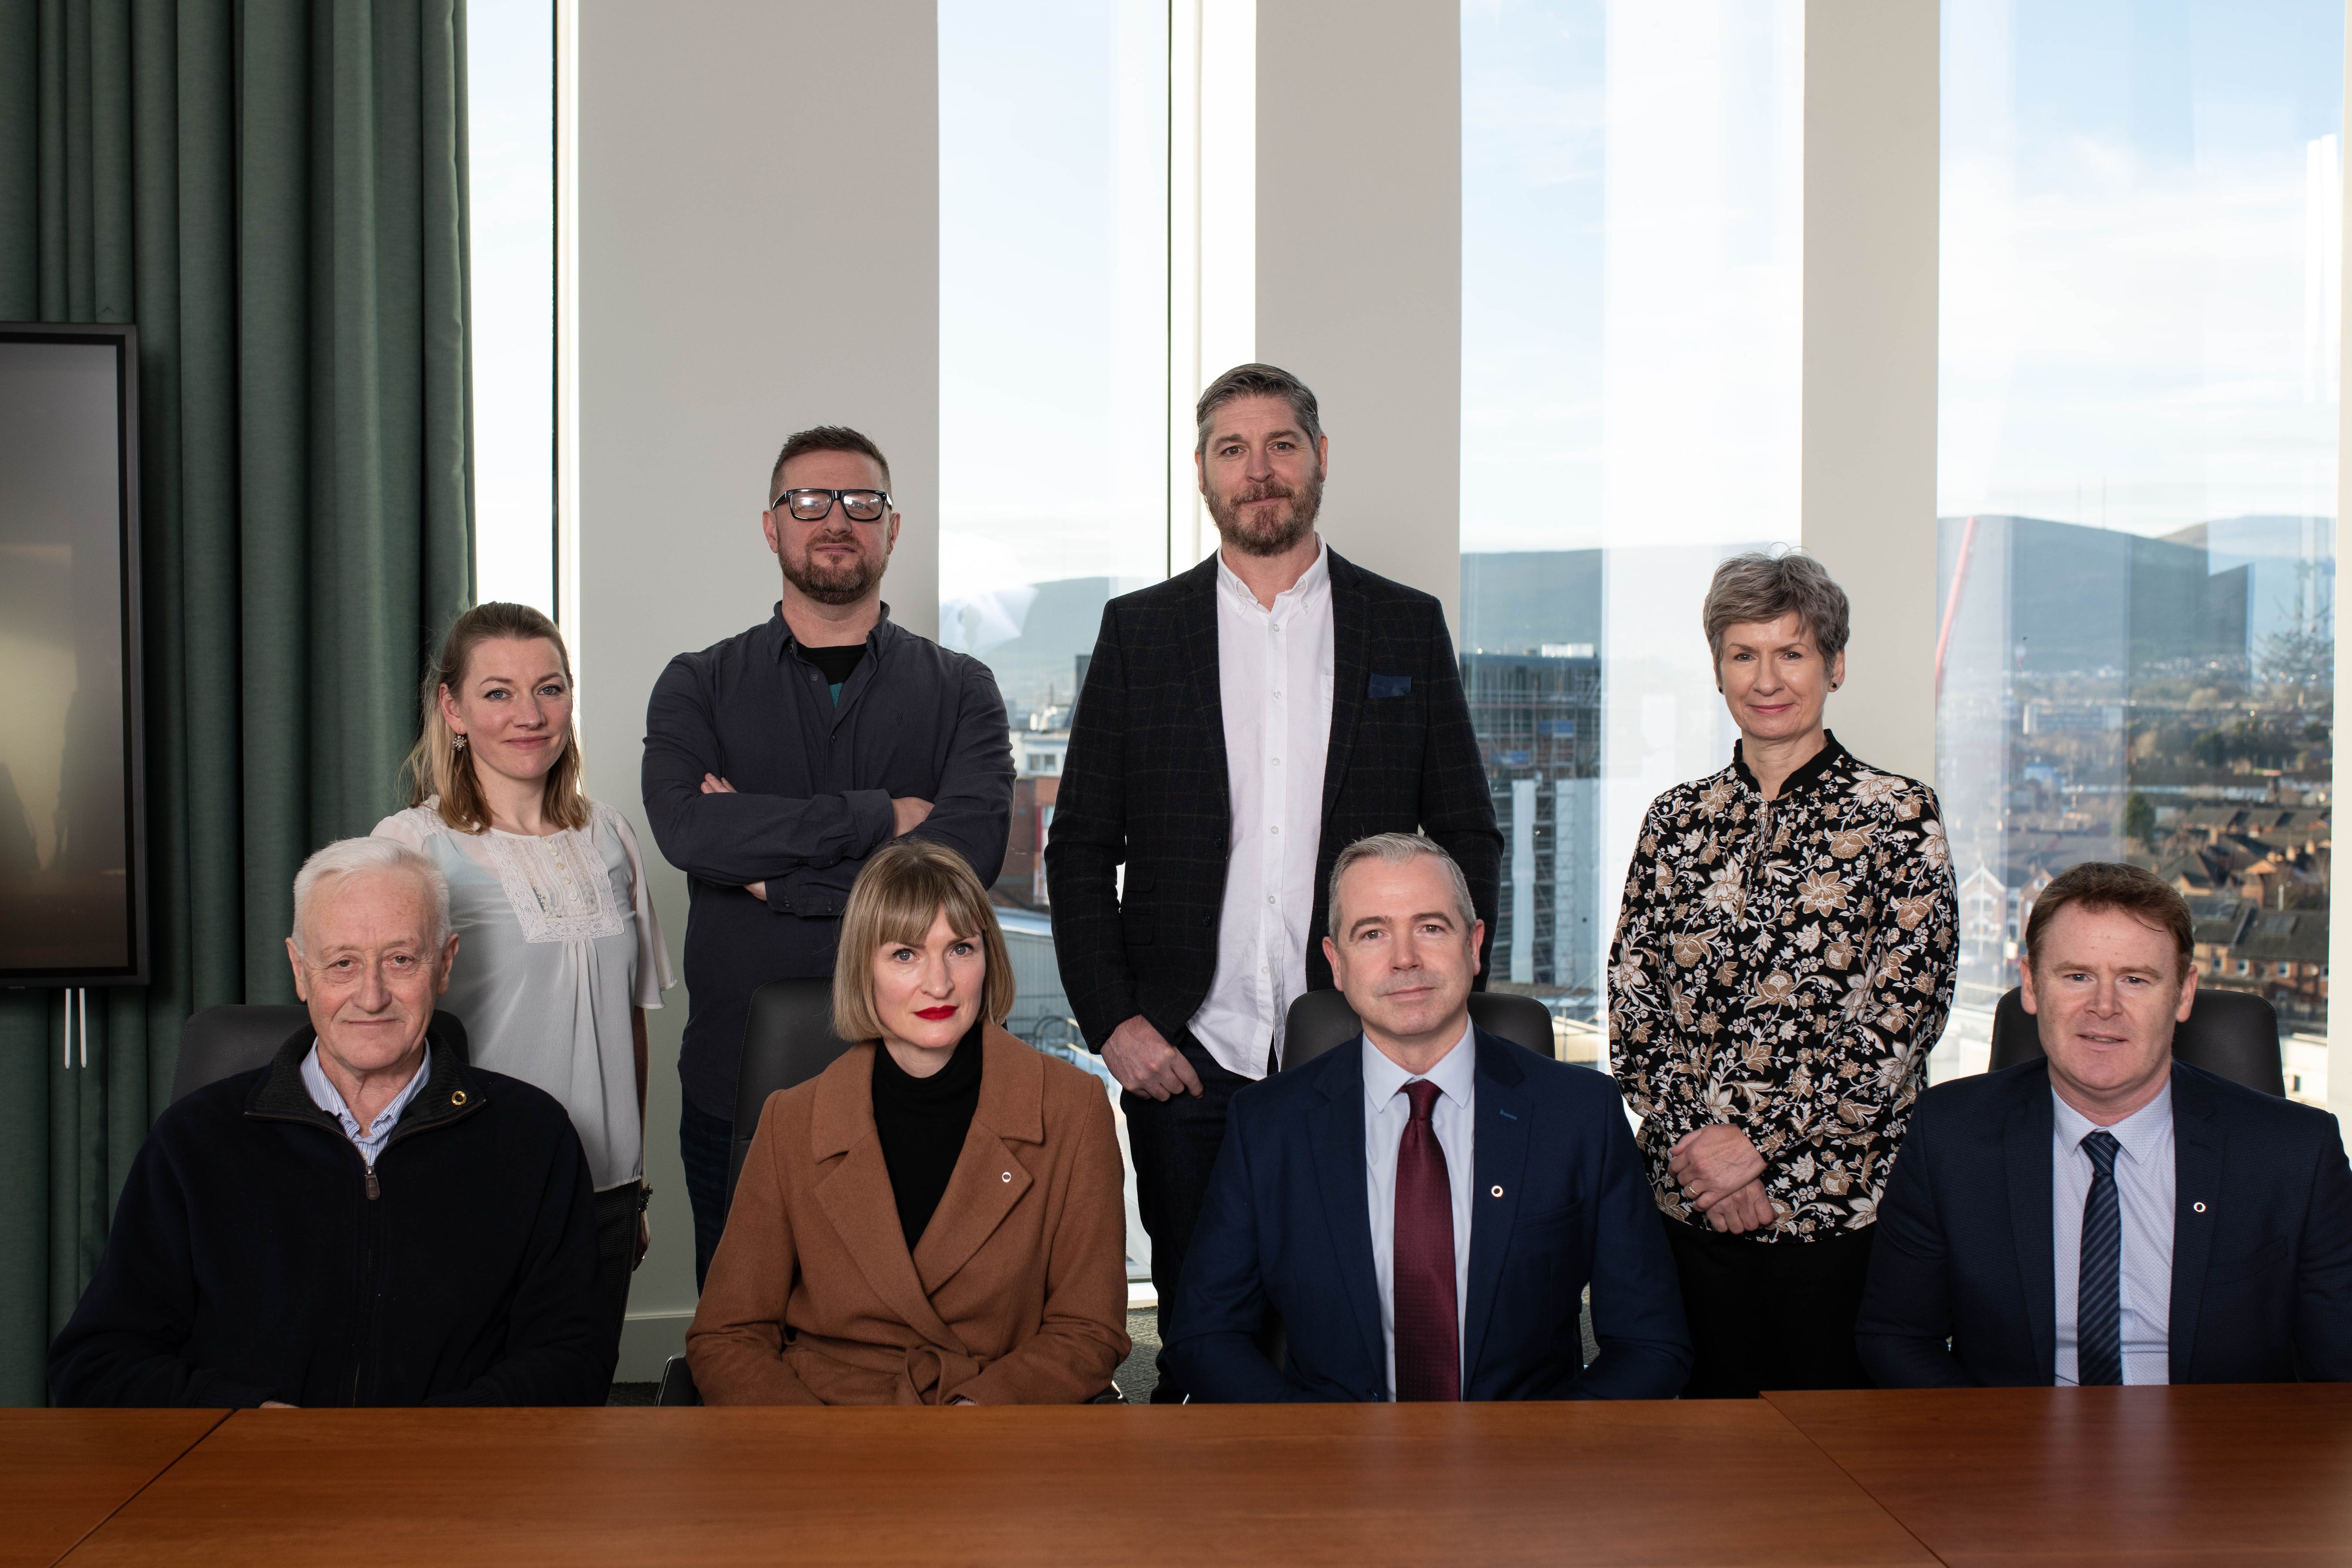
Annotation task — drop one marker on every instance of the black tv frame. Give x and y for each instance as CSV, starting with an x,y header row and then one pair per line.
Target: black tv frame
x,y
124,339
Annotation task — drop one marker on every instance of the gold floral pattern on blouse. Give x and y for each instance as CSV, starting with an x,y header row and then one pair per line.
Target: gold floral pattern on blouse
x,y
1785,966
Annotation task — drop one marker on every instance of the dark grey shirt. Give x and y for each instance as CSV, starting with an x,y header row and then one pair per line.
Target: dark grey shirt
x,y
814,783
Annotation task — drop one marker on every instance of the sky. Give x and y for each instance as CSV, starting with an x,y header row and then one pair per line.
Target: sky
x,y
2140,230
511,176
1053,292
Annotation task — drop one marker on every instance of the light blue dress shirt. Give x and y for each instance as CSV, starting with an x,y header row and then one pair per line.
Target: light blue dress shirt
x,y
370,1140
2145,1178
1387,1112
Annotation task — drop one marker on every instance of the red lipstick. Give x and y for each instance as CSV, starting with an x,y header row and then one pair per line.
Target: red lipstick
x,y
935,1014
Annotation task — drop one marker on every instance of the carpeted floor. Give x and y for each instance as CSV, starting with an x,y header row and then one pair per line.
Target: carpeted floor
x,y
1140,1372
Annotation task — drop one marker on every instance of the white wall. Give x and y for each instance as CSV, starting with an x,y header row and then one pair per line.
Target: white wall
x,y
758,252
1869,445
1360,265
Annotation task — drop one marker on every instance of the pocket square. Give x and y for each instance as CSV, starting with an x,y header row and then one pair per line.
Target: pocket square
x,y
1391,686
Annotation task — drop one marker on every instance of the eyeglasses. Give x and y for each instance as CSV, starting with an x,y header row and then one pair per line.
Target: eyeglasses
x,y
815,506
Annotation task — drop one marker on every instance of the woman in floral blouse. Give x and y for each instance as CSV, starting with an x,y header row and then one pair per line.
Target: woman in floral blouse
x,y
1782,966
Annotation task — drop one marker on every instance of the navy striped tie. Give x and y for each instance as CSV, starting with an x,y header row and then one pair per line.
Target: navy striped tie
x,y
2098,1304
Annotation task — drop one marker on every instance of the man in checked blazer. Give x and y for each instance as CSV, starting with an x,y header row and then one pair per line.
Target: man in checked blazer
x,y
1239,725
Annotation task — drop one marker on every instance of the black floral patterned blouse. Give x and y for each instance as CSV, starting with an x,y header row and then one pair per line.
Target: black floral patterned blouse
x,y
1785,966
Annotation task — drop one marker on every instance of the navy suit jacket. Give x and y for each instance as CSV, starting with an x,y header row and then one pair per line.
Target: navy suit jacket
x,y
2262,1239
1559,1197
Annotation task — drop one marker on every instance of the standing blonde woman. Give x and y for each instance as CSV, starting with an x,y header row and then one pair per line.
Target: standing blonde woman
x,y
559,953
1782,967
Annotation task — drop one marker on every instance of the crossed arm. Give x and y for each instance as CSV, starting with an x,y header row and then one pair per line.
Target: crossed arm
x,y
800,855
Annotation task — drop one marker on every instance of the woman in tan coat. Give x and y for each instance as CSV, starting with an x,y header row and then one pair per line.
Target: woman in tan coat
x,y
937,1217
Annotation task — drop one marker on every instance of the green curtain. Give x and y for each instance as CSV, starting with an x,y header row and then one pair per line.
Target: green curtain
x,y
274,193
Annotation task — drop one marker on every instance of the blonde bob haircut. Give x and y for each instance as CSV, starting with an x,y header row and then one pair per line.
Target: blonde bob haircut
x,y
904,886
439,770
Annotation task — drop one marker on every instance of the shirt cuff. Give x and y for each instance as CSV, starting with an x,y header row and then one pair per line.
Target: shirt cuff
x,y
870,810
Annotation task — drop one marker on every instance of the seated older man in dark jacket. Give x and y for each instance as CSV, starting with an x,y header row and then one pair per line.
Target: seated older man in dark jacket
x,y
368,1220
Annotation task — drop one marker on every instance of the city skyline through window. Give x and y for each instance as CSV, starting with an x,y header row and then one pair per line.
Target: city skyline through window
x,y
1054,376
2141,220
1630,238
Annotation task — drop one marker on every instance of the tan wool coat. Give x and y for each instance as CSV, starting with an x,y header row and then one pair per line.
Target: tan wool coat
x,y
1016,1294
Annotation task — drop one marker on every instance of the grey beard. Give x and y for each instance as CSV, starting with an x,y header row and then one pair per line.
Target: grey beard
x,y
1306,505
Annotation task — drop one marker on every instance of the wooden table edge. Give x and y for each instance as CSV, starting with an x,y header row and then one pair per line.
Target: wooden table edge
x,y
1861,1486
220,1419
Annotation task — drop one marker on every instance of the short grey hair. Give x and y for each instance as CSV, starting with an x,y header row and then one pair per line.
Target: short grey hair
x,y
1258,381
359,857
1395,849
1759,587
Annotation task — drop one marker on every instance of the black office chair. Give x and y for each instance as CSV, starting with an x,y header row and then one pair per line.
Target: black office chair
x,y
788,1039
1320,1020
221,1042
2232,1033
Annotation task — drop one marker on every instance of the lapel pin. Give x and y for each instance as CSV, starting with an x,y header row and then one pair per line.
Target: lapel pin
x,y
1008,1175
1496,1191
2199,1207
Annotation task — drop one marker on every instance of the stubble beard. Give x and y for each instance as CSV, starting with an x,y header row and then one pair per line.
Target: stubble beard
x,y
1275,538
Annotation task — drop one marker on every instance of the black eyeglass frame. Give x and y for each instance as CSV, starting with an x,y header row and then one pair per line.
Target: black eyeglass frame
x,y
833,498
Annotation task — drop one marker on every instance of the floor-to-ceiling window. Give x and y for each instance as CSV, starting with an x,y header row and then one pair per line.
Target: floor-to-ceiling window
x,y
1632,228
2136,477
1053,387
510,185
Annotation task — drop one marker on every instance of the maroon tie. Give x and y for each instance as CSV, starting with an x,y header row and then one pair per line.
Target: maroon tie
x,y
1428,1329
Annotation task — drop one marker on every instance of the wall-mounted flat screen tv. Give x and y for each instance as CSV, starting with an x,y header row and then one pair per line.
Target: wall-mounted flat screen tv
x,y
73,883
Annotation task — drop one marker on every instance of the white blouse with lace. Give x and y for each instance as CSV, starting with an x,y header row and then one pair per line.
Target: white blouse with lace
x,y
556,943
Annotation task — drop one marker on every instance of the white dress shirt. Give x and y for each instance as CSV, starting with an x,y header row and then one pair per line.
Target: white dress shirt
x,y
369,1140
2145,1184
1387,1111
1274,678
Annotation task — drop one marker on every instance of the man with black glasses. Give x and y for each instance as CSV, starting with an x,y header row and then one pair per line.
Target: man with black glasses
x,y
777,761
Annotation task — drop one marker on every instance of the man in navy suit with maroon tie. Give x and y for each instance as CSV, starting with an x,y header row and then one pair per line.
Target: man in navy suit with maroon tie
x,y
1421,1211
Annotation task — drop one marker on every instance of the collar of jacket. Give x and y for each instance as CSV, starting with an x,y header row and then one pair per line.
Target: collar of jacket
x,y
1012,1095
783,642
454,1090
1830,756
1346,577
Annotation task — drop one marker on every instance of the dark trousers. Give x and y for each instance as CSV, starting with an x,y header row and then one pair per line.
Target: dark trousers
x,y
704,1144
1769,1314
615,1213
1175,1144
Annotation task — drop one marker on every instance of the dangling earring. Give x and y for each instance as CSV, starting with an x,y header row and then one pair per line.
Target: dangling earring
x,y
461,735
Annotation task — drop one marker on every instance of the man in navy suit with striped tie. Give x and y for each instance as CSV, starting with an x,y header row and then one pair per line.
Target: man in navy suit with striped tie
x,y
1420,1211
2107,1214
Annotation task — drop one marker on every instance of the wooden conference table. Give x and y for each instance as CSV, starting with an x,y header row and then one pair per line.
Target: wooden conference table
x,y
2094,1476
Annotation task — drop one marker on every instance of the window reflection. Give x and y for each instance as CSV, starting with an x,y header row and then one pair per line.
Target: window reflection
x,y
2141,214
1631,240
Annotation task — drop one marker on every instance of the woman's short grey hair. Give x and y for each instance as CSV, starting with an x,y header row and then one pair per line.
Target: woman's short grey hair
x,y
1258,381
1395,849
1759,587
357,857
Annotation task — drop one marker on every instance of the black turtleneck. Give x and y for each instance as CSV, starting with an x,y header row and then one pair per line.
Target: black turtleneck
x,y
922,1122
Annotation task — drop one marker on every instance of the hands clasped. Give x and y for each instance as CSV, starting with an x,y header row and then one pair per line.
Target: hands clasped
x,y
1722,1175
1143,1061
